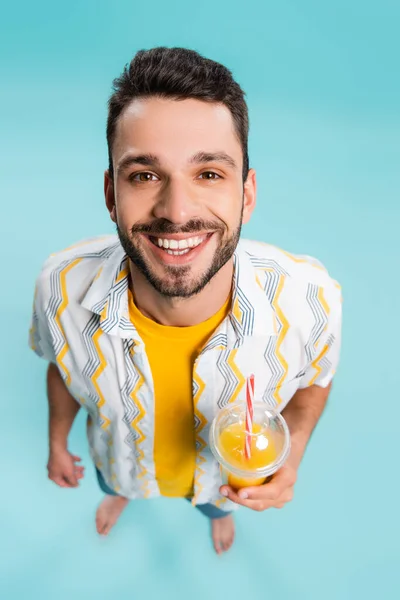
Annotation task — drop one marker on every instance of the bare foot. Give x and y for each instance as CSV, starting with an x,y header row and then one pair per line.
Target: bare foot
x,y
223,533
108,513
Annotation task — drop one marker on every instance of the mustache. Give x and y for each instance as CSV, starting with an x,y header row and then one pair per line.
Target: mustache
x,y
165,226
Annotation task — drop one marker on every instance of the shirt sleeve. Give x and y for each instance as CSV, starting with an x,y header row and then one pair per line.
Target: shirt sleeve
x,y
322,368
40,339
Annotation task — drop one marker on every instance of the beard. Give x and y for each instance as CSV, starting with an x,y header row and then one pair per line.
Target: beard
x,y
177,282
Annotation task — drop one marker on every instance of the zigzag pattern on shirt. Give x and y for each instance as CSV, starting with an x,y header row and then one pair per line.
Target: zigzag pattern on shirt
x,y
320,310
276,369
267,264
58,303
95,365
200,422
233,377
134,414
322,364
131,411
273,286
221,339
109,306
242,309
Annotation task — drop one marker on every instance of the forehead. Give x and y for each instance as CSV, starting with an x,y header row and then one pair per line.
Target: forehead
x,y
175,129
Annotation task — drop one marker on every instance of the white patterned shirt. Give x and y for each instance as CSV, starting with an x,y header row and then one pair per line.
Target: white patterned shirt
x,y
284,326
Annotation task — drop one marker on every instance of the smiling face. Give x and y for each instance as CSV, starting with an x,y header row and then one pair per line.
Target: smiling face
x,y
177,195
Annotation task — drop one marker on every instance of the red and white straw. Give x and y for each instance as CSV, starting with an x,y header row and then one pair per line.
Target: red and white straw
x,y
249,415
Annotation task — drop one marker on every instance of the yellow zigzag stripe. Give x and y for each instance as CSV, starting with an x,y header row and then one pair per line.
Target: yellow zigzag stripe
x,y
237,312
64,303
265,270
315,363
301,260
281,337
324,303
200,459
238,373
201,387
122,275
316,366
97,374
135,426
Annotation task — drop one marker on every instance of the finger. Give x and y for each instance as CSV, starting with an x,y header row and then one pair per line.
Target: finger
x,y
257,505
76,458
79,469
71,479
269,492
59,481
281,481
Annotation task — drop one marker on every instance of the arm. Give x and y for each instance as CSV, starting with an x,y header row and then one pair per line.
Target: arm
x,y
62,406
302,415
63,410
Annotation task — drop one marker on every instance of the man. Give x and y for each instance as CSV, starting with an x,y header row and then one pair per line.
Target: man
x,y
156,330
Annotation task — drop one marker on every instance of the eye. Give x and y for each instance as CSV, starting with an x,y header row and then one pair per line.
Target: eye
x,y
143,177
210,176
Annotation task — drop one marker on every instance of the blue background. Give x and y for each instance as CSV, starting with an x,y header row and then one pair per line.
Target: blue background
x,y
323,90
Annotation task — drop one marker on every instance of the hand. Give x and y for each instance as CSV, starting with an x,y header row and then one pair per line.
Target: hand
x,y
63,470
270,495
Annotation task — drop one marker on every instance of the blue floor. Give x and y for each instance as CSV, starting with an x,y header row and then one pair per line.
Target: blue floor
x,y
325,130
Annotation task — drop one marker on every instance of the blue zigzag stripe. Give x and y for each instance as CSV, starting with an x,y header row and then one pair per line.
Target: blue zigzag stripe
x,y
265,263
247,310
320,320
220,339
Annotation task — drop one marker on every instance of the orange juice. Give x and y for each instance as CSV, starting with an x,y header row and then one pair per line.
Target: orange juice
x,y
270,444
263,452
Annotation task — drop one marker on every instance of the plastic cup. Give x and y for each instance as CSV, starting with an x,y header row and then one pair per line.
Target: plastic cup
x,y
270,444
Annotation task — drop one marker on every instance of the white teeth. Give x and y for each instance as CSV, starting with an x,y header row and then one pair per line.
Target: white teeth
x,y
193,242
177,252
179,244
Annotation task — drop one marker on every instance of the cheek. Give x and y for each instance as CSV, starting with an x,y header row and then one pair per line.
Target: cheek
x,y
227,207
131,211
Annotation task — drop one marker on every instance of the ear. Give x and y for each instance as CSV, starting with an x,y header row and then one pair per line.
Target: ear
x,y
250,192
109,195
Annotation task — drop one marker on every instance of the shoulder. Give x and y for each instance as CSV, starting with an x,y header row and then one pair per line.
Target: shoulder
x,y
77,265
302,276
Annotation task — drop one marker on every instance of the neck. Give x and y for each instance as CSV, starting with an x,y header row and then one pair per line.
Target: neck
x,y
182,312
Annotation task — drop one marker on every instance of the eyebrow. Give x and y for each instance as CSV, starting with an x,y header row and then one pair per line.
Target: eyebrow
x,y
147,160
150,160
207,157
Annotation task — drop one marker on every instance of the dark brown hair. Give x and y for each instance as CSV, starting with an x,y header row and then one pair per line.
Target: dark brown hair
x,y
178,73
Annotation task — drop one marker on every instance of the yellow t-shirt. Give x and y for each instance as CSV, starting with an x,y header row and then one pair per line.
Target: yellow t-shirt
x,y
171,352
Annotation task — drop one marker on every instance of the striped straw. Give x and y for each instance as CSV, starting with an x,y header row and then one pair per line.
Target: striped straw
x,y
249,415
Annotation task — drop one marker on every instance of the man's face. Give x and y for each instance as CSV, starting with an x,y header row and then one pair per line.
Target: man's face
x,y
178,197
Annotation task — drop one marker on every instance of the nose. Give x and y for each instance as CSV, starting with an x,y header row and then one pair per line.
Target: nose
x,y
177,203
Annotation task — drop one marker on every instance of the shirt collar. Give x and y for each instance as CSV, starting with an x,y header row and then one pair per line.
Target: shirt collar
x,y
251,313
